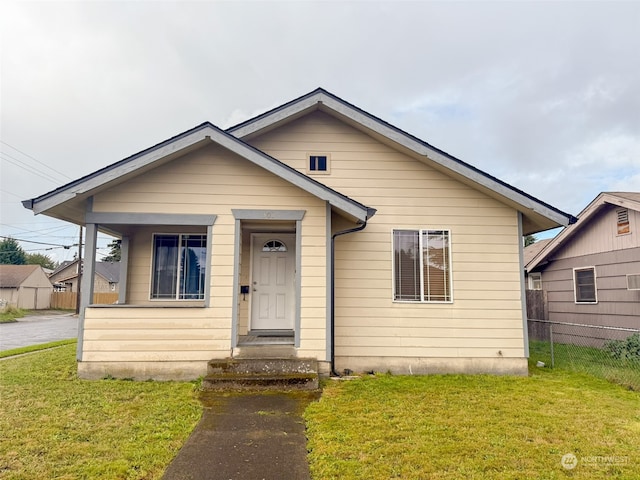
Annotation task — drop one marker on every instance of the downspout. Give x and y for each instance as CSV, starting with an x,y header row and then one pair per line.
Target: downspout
x,y
333,292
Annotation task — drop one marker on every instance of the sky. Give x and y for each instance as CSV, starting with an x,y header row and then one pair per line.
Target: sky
x,y
543,95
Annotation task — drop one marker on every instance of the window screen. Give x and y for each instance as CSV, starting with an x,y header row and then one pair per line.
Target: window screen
x,y
422,265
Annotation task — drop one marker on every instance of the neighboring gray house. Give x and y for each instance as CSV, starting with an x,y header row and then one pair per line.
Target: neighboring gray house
x,y
25,286
591,270
534,280
107,277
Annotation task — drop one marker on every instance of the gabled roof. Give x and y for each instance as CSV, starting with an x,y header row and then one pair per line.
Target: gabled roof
x,y
534,249
67,202
53,202
62,266
12,276
538,215
110,271
629,200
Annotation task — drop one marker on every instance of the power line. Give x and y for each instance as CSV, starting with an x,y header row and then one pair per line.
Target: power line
x,y
28,168
39,243
11,193
36,160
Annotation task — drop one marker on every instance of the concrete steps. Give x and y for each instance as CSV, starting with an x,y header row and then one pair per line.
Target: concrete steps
x,y
262,374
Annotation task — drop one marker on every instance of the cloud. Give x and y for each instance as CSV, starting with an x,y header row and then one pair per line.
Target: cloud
x,y
543,95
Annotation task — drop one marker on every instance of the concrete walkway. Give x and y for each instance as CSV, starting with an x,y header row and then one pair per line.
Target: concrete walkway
x,y
244,437
36,329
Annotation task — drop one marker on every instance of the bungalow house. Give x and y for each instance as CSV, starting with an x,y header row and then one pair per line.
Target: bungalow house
x,y
25,286
314,230
591,270
106,280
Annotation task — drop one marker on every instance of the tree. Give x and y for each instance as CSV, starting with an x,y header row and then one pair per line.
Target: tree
x,y
40,259
529,240
114,253
11,253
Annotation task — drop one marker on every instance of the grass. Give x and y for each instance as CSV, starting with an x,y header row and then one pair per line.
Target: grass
x,y
11,314
56,426
594,361
35,348
475,427
377,427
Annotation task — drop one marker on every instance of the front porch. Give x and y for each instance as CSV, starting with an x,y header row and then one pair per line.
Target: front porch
x,y
210,305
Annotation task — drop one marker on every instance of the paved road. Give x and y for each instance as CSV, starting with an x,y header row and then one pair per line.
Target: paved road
x,y
33,330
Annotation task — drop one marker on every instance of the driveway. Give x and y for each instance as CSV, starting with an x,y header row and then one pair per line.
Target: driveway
x,y
36,329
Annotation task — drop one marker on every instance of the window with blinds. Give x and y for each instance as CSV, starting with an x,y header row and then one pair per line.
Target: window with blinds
x,y
584,281
422,265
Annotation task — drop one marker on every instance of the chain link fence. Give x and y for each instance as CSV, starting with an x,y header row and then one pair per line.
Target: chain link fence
x,y
608,352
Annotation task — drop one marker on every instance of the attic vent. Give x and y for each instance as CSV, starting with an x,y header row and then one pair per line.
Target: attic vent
x,y
623,221
633,282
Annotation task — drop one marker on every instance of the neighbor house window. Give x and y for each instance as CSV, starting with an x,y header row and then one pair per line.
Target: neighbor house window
x,y
179,263
318,164
535,281
584,281
422,265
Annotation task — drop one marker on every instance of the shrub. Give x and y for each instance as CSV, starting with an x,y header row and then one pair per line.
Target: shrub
x,y
628,349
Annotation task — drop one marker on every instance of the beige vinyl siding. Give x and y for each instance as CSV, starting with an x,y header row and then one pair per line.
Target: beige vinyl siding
x,y
485,318
212,180
145,334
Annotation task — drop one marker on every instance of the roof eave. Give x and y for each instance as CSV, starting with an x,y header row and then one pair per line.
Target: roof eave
x,y
325,101
185,141
581,221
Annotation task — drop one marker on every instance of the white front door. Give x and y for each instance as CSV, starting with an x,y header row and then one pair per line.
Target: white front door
x,y
272,281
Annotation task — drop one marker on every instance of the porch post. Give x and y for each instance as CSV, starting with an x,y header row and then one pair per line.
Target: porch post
x,y
88,268
237,242
124,267
298,285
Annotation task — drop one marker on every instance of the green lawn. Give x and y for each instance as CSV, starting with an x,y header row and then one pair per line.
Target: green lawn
x,y
55,426
474,427
435,427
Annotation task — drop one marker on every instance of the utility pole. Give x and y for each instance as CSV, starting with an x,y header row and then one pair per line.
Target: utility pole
x,y
79,293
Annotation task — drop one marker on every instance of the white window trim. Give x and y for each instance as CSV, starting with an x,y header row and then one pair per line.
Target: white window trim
x,y
318,172
575,285
393,268
531,277
151,268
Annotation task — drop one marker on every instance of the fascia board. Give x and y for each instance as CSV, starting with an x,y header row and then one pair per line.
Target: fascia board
x,y
434,155
292,176
332,103
583,219
268,120
620,201
95,181
189,139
